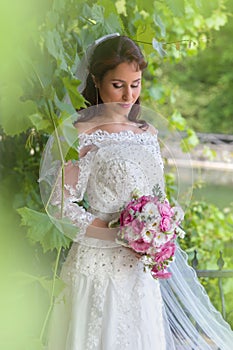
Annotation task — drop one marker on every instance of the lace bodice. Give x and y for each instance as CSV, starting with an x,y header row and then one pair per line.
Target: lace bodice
x,y
120,163
114,165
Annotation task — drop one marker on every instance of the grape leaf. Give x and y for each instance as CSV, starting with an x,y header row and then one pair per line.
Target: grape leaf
x,y
41,229
39,122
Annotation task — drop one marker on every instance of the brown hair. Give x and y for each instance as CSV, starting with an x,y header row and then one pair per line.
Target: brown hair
x,y
106,56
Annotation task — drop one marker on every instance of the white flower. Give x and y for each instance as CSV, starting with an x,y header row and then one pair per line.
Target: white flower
x,y
180,232
130,233
147,235
160,239
151,212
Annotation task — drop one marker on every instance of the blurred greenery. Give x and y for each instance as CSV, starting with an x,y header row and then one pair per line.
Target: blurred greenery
x,y
41,45
202,84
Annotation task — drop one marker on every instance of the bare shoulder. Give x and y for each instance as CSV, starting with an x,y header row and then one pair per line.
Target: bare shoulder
x,y
151,129
83,127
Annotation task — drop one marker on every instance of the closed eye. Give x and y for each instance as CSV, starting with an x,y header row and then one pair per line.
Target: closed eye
x,y
119,86
135,85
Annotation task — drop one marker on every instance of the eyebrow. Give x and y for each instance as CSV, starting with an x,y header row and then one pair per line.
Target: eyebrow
x,y
123,81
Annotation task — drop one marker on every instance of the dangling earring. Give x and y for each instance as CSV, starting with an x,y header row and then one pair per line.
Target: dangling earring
x,y
97,95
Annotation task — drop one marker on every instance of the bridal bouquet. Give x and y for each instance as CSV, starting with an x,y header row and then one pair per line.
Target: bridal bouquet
x,y
150,226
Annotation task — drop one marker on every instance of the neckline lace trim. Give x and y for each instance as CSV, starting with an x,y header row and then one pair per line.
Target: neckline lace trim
x,y
122,132
100,134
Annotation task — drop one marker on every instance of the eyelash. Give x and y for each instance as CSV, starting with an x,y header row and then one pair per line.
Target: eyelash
x,y
118,87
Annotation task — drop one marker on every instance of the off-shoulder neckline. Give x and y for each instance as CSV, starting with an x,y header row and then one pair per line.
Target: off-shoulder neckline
x,y
100,132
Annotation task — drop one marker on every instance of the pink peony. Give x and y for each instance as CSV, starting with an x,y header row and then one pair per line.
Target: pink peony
x,y
165,224
139,246
165,209
166,252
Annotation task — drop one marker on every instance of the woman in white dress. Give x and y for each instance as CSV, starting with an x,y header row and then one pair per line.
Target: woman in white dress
x,y
109,302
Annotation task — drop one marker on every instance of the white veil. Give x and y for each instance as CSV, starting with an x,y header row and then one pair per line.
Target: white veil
x,y
194,322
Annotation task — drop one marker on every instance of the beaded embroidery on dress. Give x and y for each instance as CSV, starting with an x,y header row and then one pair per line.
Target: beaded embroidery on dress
x,y
109,302
113,303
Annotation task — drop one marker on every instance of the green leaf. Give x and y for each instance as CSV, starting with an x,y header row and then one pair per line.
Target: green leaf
x,y
112,24
144,34
145,5
63,106
192,138
72,154
39,122
41,229
120,7
55,47
158,21
76,98
177,121
68,133
176,6
97,12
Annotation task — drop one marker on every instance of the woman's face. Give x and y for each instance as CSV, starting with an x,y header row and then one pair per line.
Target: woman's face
x,y
121,85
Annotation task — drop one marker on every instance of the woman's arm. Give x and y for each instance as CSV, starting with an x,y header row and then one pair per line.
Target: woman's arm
x,y
86,223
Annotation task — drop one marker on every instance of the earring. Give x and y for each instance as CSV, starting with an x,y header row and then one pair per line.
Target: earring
x,y
97,96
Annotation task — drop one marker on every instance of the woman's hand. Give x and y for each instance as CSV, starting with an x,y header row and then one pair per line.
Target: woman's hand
x,y
99,223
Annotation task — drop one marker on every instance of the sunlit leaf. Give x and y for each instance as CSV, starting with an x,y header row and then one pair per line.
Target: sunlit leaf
x,y
176,6
42,230
190,141
177,121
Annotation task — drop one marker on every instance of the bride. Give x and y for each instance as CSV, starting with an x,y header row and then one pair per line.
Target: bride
x,y
109,302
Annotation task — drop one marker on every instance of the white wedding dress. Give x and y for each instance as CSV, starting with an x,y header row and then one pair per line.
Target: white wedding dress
x,y
109,302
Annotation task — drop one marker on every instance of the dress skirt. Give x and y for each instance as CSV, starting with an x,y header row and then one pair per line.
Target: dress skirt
x,y
108,303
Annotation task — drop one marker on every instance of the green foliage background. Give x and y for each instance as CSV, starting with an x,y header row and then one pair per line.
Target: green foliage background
x,y
41,45
202,84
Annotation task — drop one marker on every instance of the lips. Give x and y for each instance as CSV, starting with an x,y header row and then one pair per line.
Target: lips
x,y
125,105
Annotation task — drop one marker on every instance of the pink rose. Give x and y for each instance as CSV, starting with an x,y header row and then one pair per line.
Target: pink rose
x,y
165,224
166,252
139,246
125,218
165,209
139,203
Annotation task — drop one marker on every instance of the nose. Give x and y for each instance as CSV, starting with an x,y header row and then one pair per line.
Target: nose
x,y
127,94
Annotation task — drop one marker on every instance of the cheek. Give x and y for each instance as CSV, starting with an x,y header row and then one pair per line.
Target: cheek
x,y
136,92
109,94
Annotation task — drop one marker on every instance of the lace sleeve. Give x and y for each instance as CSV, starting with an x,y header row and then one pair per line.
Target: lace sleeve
x,y
68,195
